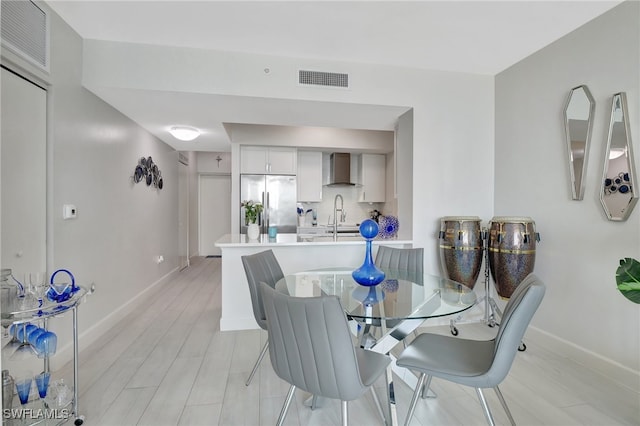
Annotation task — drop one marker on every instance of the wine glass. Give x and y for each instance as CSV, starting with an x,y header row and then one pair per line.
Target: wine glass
x,y
37,286
25,350
13,332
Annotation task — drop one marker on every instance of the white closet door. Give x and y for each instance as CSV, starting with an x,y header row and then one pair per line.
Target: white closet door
x,y
24,173
215,212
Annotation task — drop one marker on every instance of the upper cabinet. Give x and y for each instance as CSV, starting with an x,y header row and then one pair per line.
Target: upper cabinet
x,y
268,160
372,177
309,176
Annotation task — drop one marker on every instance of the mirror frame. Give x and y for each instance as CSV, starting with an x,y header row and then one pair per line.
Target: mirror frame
x,y
578,186
626,211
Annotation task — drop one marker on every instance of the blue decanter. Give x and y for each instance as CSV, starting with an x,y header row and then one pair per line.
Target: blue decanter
x,y
368,274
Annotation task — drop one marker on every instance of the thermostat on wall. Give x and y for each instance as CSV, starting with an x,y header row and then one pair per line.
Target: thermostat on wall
x,y
69,211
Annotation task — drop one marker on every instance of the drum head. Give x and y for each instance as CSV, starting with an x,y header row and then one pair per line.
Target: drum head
x,y
460,219
512,219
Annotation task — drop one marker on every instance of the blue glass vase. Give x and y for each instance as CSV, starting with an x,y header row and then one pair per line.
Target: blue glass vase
x,y
368,274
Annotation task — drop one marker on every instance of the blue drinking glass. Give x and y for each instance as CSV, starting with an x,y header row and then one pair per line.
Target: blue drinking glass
x,y
23,386
24,330
46,344
32,337
42,381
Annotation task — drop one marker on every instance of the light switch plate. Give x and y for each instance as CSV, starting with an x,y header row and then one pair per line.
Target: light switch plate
x,y
69,211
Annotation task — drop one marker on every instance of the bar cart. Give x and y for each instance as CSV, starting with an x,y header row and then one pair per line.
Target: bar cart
x,y
42,411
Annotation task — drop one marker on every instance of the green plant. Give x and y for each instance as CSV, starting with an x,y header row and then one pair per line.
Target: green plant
x,y
251,211
628,279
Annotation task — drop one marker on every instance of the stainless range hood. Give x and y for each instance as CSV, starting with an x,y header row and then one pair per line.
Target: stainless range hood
x,y
340,169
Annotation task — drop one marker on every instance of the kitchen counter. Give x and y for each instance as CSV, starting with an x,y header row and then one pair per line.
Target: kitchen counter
x,y
294,254
241,240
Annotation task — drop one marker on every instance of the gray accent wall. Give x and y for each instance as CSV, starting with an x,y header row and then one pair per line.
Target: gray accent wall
x,y
579,249
121,227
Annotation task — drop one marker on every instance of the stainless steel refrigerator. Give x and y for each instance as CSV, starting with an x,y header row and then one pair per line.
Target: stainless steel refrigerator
x,y
278,194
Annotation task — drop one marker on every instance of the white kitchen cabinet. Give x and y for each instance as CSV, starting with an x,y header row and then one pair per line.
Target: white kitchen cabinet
x,y
309,176
372,177
268,160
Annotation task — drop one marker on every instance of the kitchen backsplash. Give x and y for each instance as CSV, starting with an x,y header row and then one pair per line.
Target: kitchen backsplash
x,y
355,211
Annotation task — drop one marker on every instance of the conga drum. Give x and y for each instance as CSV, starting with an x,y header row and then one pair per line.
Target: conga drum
x,y
461,248
512,251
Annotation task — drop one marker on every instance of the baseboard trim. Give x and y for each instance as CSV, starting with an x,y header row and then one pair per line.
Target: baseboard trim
x,y
625,376
64,354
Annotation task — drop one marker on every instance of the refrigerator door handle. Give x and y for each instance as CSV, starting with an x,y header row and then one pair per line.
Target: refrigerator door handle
x,y
266,215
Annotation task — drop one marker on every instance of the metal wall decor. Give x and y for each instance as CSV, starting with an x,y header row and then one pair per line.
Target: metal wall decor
x,y
618,193
578,122
148,171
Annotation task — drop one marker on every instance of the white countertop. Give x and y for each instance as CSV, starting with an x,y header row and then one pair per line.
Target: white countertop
x,y
241,240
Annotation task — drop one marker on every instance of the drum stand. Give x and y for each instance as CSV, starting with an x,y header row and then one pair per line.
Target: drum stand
x,y
490,305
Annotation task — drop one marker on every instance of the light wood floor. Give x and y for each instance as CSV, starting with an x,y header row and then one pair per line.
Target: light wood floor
x,y
170,365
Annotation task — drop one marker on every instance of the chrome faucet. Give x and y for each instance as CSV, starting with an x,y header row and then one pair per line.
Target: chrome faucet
x,y
335,215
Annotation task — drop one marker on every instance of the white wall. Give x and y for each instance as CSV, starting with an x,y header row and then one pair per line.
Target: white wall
x,y
208,162
579,249
121,226
327,139
452,151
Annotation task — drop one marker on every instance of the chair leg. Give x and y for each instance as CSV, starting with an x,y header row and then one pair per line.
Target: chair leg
x,y
485,407
504,405
285,407
377,402
255,367
426,388
345,414
414,400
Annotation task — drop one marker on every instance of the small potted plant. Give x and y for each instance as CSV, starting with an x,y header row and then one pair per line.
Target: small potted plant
x,y
251,211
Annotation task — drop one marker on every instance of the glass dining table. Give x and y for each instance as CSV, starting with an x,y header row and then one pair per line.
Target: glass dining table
x,y
397,306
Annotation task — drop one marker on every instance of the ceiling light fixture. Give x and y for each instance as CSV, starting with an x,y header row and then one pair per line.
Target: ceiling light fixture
x,y
184,133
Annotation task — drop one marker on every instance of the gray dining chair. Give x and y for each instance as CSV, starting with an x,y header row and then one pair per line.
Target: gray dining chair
x,y
311,348
400,263
406,263
260,267
476,363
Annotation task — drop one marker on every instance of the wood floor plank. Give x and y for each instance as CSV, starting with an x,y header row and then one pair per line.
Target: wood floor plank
x,y
126,409
200,415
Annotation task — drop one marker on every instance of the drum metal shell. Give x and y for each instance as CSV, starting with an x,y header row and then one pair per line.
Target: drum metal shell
x,y
461,248
512,251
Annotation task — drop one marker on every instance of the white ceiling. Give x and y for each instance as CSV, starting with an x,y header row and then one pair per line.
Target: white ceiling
x,y
483,37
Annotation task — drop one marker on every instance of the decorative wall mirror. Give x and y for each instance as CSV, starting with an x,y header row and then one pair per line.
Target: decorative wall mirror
x,y
578,122
619,194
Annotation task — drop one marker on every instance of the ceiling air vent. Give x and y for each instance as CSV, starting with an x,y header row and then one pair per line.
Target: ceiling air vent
x,y
25,31
327,79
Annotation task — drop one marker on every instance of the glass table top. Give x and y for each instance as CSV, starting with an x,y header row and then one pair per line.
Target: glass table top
x,y
399,296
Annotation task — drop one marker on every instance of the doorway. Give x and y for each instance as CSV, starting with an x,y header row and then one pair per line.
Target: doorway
x,y
215,212
183,216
